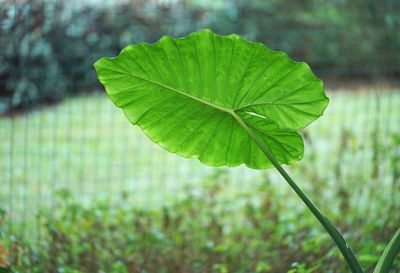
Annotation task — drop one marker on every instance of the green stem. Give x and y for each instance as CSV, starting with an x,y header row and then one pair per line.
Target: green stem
x,y
329,227
388,256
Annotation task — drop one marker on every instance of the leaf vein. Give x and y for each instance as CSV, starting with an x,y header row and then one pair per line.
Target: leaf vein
x,y
276,82
180,123
229,71
174,111
257,78
154,106
195,130
233,122
242,77
212,136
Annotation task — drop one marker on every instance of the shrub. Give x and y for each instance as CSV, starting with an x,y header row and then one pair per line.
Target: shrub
x,y
47,47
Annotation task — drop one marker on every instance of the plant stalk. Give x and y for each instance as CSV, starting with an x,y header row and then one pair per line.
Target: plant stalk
x,y
329,227
388,256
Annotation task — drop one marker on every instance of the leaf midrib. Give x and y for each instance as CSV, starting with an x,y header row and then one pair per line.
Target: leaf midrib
x,y
231,112
227,110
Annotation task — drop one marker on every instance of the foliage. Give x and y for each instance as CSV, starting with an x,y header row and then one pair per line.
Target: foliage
x,y
192,95
205,231
153,83
49,47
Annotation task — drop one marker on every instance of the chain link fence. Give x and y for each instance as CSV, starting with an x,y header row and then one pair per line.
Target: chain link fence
x,y
84,145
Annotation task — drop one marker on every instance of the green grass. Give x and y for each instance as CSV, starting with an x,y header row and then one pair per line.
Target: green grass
x,y
86,145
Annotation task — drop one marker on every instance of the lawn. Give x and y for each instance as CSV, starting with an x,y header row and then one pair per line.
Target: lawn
x,y
86,145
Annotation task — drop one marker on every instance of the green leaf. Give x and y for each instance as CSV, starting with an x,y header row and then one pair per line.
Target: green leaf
x,y
194,96
388,256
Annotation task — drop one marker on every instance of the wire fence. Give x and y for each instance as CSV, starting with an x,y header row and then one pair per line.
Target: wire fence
x,y
85,145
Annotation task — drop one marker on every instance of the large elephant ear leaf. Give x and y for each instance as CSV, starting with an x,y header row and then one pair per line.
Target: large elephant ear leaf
x,y
200,96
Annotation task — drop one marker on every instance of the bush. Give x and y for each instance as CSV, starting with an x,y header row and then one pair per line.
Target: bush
x,y
48,47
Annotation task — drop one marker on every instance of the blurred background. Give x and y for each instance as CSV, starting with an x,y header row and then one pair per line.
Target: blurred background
x,y
82,191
